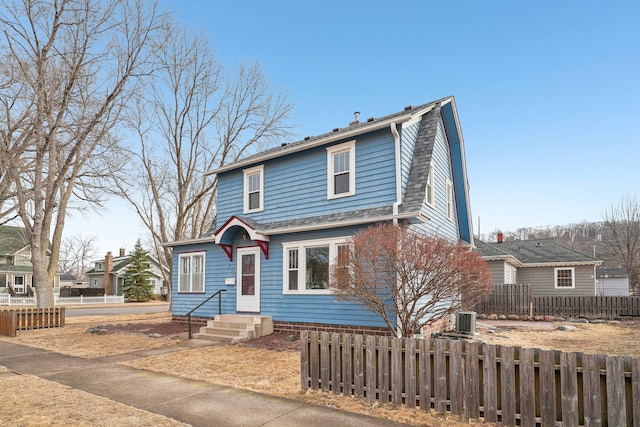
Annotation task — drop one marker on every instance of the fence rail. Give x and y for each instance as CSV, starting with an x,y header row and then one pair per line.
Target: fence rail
x,y
8,300
13,320
509,385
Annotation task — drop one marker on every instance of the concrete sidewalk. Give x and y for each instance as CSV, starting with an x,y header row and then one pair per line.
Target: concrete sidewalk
x,y
192,402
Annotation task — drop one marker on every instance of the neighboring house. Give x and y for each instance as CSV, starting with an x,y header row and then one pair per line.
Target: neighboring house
x,y
16,270
108,273
69,280
612,282
284,214
551,269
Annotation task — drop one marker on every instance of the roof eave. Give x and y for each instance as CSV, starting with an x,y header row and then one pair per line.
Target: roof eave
x,y
353,222
347,133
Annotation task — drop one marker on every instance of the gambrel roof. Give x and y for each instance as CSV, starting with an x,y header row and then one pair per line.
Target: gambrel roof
x,y
429,116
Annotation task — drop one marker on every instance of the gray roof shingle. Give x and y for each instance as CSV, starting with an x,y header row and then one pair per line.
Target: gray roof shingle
x,y
417,182
537,251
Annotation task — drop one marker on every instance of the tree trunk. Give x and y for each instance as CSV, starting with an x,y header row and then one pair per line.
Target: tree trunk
x,y
41,281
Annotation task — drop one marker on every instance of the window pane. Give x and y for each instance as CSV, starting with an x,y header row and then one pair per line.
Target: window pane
x,y
254,182
293,280
293,269
317,271
341,183
248,274
341,162
564,278
254,200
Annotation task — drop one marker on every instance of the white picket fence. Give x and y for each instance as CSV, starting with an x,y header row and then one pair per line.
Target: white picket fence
x,y
6,299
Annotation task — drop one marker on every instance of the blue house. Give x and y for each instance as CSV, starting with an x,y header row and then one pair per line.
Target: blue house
x,y
283,215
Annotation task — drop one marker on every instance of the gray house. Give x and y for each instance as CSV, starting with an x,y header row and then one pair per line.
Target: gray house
x,y
108,273
551,269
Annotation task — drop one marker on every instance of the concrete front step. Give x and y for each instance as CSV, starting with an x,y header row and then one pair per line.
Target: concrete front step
x,y
236,327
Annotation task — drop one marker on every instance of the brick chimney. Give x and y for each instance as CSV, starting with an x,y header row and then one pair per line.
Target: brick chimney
x,y
121,252
106,278
500,237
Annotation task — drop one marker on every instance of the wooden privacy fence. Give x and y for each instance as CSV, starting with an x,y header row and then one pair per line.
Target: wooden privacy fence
x,y
507,299
511,385
586,306
30,318
517,299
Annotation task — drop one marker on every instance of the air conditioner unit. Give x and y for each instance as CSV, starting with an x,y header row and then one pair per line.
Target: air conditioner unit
x,y
466,322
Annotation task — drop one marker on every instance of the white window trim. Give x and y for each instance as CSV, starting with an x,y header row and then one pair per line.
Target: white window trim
x,y
301,246
449,204
573,277
430,184
247,174
331,151
204,272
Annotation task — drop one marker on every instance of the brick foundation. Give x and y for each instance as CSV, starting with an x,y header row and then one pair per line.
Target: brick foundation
x,y
436,327
325,327
195,320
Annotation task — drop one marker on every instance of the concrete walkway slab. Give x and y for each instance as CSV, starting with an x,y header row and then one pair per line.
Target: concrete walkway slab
x,y
193,402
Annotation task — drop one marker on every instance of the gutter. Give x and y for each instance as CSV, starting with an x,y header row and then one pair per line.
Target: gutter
x,y
396,138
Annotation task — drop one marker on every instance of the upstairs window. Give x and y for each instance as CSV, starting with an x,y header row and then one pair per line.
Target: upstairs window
x,y
449,200
565,278
191,272
341,170
253,189
429,190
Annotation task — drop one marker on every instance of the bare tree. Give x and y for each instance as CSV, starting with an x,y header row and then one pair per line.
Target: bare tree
x,y
76,253
409,279
193,119
623,223
73,65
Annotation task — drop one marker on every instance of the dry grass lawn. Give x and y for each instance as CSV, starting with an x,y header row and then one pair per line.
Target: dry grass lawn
x,y
32,401
240,366
618,338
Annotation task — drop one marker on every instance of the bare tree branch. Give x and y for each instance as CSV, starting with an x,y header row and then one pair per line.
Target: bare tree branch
x,y
409,279
192,119
75,64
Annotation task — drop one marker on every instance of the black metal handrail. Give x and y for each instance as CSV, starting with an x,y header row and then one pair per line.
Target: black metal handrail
x,y
203,303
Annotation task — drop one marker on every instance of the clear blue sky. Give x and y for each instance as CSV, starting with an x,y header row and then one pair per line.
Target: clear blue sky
x,y
548,92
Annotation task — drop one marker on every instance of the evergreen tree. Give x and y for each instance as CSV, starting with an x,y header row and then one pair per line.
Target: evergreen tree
x,y
137,284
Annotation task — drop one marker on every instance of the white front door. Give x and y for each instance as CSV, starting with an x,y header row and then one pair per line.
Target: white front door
x,y
248,280
18,284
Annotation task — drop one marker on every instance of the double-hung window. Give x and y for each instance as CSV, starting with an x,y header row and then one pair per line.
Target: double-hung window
x,y
308,265
341,170
429,197
191,272
254,189
565,278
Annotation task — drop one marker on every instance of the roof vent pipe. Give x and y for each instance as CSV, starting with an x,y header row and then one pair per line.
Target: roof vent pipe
x,y
356,119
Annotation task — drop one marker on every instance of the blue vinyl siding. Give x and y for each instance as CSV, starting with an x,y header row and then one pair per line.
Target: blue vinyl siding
x,y
438,223
459,173
408,137
301,180
273,302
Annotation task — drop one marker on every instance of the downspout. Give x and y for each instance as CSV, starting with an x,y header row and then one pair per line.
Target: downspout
x,y
396,204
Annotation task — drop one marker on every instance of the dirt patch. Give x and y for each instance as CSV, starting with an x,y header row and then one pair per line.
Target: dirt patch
x,y
173,330
612,338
